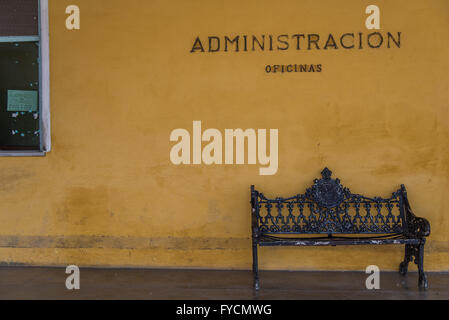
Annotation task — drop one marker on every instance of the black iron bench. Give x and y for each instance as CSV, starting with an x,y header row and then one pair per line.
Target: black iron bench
x,y
345,218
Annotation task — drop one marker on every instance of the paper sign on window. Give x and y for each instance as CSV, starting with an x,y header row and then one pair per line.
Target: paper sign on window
x,y
22,100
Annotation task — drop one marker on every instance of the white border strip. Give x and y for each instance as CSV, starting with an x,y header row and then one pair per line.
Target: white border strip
x,y
22,153
45,76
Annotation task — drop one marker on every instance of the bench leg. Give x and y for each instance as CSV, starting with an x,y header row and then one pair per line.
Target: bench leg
x,y
409,252
255,267
415,253
422,282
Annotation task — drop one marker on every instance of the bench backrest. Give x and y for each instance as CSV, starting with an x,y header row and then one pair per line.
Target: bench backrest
x,y
328,208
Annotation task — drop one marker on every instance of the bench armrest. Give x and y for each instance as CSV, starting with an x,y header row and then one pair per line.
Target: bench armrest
x,y
417,226
422,227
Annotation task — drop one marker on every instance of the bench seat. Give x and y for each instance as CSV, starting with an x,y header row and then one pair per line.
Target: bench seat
x,y
270,241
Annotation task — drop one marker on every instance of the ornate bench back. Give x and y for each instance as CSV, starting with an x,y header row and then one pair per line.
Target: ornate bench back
x,y
328,208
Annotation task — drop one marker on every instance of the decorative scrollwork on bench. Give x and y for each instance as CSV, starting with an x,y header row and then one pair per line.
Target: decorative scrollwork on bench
x,y
327,192
328,207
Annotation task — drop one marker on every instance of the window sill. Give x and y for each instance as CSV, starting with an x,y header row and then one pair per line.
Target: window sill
x,y
22,154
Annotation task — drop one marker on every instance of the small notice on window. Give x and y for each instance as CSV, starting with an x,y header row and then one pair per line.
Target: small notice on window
x,y
22,100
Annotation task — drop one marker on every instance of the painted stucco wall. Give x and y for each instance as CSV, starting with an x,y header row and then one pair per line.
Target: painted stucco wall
x,y
108,195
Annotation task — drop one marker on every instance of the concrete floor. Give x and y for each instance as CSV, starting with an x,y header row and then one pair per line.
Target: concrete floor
x,y
137,284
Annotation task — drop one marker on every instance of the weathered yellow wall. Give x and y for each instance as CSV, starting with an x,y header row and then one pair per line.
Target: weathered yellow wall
x,y
108,194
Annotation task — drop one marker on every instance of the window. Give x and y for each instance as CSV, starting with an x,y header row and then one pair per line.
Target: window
x,y
24,78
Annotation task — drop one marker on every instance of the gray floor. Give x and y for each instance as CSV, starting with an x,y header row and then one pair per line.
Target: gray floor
x,y
137,284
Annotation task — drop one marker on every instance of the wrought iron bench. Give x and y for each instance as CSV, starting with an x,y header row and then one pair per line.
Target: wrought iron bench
x,y
345,218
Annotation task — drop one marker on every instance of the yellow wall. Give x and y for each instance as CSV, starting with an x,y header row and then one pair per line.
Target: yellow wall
x,y
108,195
